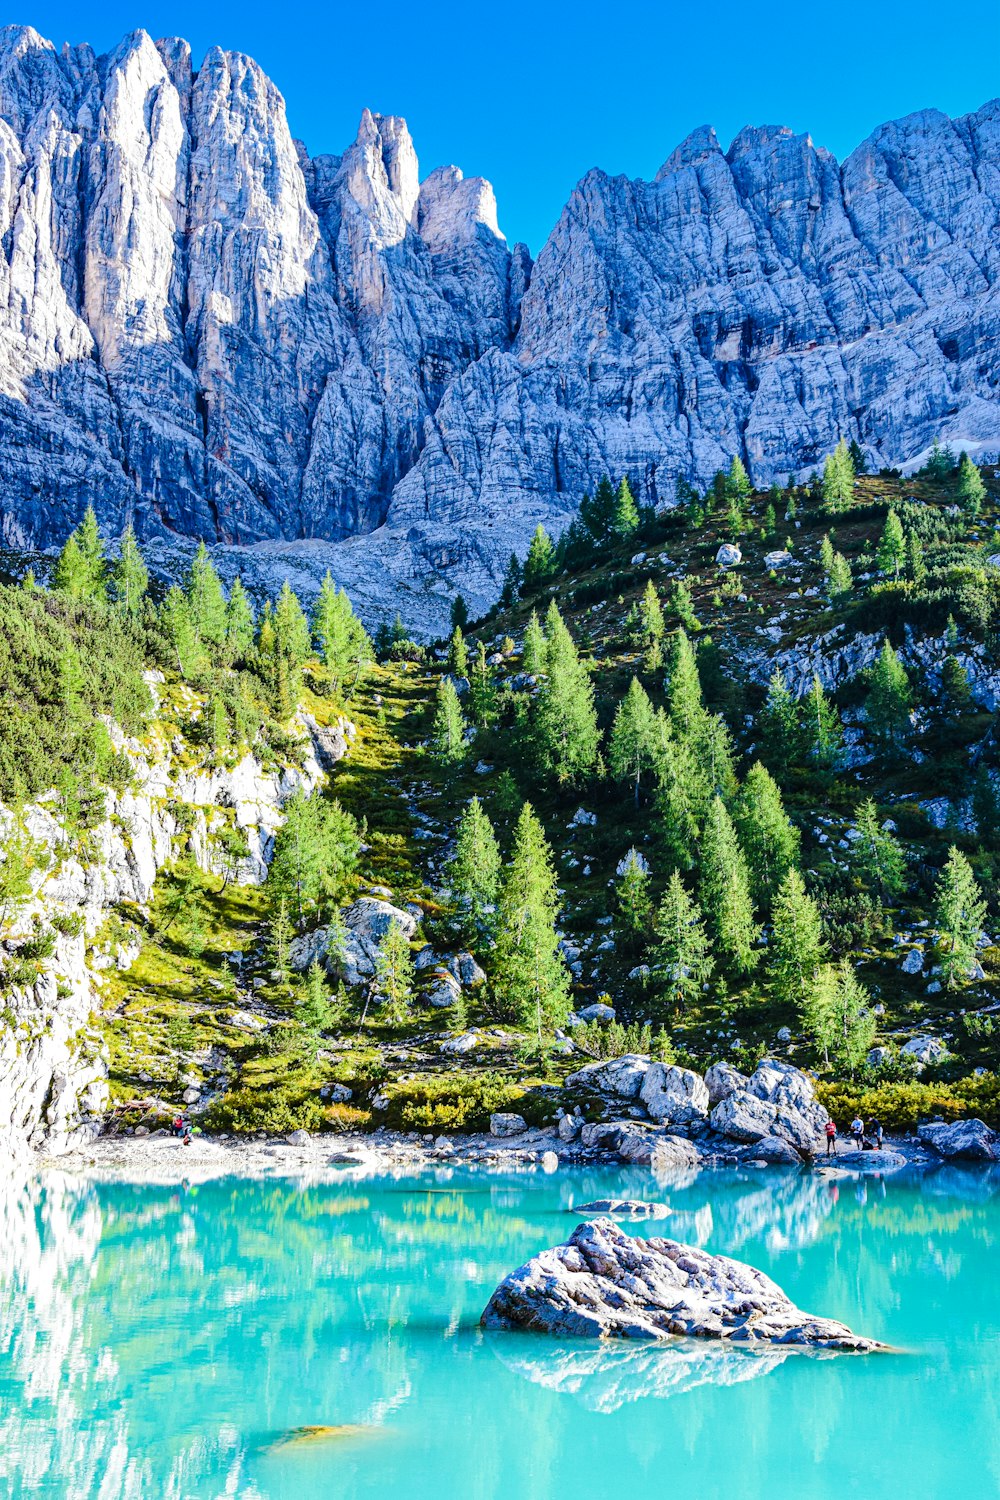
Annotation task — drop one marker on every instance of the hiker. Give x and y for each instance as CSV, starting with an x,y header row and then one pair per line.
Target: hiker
x,y
877,1133
186,1134
831,1138
858,1133
177,1125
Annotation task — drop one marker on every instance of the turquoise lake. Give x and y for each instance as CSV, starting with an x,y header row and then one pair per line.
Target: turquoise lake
x,y
163,1342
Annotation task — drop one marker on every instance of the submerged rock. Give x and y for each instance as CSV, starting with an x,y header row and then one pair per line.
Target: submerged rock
x,y
605,1284
620,1208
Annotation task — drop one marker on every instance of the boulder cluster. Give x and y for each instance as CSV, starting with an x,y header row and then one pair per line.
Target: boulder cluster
x,y
676,1113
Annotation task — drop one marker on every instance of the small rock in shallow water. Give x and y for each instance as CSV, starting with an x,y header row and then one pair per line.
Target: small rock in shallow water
x,y
620,1208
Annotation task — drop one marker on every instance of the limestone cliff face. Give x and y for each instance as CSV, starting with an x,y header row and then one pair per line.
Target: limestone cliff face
x,y
52,1066
329,362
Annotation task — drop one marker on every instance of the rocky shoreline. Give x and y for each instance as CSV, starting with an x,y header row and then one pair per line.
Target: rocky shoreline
x,y
160,1158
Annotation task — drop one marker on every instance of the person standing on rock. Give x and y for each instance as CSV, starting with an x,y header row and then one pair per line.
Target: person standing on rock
x,y
876,1133
858,1133
831,1138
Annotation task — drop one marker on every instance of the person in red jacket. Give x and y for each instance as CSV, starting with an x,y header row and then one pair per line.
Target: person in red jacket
x,y
831,1138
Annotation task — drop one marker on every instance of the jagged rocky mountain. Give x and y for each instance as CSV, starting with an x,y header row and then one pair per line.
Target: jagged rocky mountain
x,y
328,361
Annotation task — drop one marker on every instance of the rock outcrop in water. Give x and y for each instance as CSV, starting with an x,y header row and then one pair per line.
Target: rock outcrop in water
x,y
207,332
603,1283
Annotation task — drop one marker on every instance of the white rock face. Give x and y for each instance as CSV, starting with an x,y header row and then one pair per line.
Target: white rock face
x,y
326,361
53,1073
674,1096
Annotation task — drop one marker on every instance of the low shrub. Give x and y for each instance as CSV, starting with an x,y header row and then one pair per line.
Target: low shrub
x,y
453,1102
903,1106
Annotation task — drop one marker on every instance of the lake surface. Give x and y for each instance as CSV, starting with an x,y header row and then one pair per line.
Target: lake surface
x,y
164,1343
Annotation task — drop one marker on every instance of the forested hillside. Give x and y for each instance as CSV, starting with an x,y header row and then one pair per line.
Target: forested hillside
x,y
709,783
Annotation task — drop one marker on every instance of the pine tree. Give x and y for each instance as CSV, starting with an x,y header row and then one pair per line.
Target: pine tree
x,y
634,902
292,639
681,605
822,727
826,554
634,737
626,516
474,870
971,489
651,617
877,856
565,719
130,576
459,613
892,547
394,974
889,700
449,725
598,514
315,850
529,974
92,553
540,563
838,479
679,799
797,947
738,485
780,725
683,962
767,837
857,456
839,581
534,653
724,890
959,912
69,575
458,654
482,690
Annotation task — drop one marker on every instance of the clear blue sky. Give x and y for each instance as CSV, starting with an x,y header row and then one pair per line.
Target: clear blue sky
x,y
532,95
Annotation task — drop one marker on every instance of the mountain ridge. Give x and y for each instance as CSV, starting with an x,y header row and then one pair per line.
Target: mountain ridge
x,y
210,334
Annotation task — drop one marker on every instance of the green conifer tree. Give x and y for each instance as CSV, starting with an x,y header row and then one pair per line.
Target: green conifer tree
x,y
632,749
448,736
565,719
724,890
626,515
780,725
683,962
634,903
971,489
769,841
530,980
877,856
822,728
684,688
206,600
839,581
889,700
797,948
540,563
838,479
458,654
916,568
474,870
511,582
959,913
176,621
838,1016
394,975
459,613
534,653
129,576
892,547
315,850
482,690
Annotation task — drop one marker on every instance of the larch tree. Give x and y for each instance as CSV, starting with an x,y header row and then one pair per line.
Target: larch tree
x,y
632,748
769,841
239,623
530,979
959,914
634,902
448,735
534,653
682,958
474,870
797,947
394,974
129,575
315,850
565,720
838,1016
458,654
626,514
971,489
684,687
822,728
206,600
724,890
838,479
780,725
877,856
892,547
541,561
889,700
482,690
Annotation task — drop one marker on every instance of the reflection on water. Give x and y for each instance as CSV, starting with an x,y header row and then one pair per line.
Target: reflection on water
x,y
271,1339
